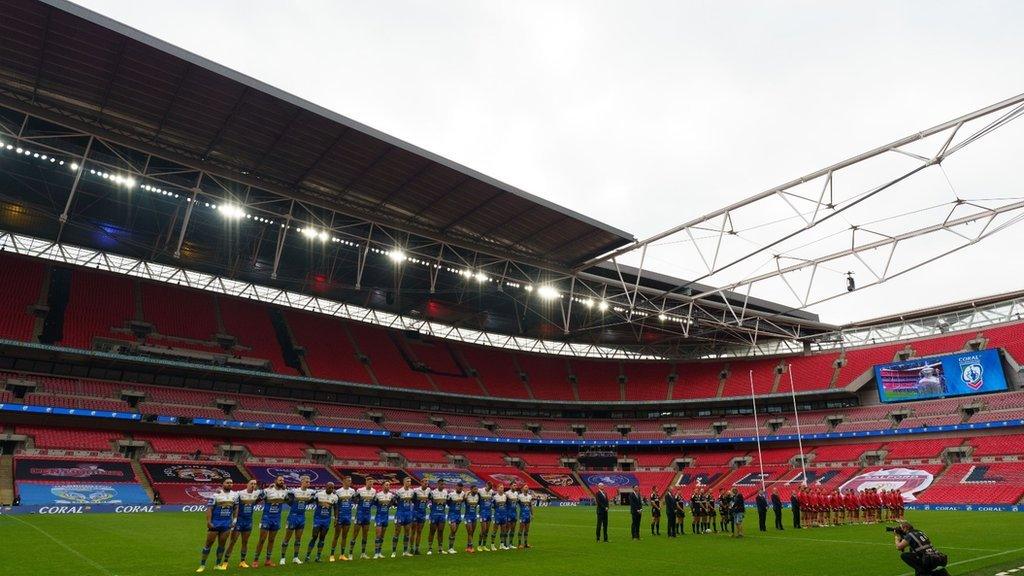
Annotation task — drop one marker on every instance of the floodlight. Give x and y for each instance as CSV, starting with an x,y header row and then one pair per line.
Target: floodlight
x,y
548,292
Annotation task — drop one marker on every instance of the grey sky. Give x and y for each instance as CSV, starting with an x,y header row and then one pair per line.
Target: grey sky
x,y
644,114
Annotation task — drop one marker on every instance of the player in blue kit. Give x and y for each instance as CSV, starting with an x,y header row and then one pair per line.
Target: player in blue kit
x,y
364,506
324,504
510,516
456,498
525,516
500,522
486,515
383,501
220,517
297,500
247,500
472,502
404,511
419,515
438,500
345,495
274,498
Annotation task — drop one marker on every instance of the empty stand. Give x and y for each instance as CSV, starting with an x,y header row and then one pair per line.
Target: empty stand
x,y
646,381
597,381
249,322
21,281
97,304
386,361
329,351
70,438
497,370
181,312
548,377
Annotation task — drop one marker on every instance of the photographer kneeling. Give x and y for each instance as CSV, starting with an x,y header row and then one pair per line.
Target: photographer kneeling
x,y
917,551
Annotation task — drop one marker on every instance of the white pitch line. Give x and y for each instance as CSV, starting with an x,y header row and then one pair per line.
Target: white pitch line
x,y
867,543
60,543
969,560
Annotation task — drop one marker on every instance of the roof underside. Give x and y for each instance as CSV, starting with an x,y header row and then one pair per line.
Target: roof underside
x,y
84,88
116,78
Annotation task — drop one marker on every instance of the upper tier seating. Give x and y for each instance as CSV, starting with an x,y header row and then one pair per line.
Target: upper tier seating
x,y
249,322
172,444
998,445
497,370
548,376
386,361
181,312
21,281
646,381
597,381
275,448
97,303
329,350
842,452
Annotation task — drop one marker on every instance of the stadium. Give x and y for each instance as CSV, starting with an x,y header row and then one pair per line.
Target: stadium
x,y
206,278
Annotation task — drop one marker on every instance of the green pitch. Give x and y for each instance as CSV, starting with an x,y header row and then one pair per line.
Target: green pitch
x,y
562,539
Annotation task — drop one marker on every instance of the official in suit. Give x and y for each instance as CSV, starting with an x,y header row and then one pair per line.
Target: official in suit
x,y
636,506
777,508
794,505
670,512
602,513
762,510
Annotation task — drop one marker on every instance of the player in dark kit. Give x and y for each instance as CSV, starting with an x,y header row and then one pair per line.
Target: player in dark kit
x,y
725,511
680,513
220,517
655,501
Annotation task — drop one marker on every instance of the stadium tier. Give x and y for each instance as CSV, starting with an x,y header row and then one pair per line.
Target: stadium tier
x,y
335,349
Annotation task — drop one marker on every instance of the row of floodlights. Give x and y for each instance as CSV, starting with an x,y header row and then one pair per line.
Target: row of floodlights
x,y
396,255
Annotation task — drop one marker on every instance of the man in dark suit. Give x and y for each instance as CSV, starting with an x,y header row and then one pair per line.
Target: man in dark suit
x,y
602,513
762,510
636,506
777,508
670,512
794,504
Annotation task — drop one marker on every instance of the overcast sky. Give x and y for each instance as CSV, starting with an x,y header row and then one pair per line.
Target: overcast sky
x,y
645,114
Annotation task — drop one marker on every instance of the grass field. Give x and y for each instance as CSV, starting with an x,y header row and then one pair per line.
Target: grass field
x,y
562,538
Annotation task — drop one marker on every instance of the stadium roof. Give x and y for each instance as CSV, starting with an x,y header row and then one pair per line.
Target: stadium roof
x,y
62,57
323,205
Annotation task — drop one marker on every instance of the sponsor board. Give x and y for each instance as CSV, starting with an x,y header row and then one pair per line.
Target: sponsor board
x,y
188,472
379,474
99,509
50,470
265,474
33,493
609,479
447,476
907,480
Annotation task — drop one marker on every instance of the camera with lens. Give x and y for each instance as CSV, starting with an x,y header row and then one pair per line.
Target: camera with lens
x,y
895,529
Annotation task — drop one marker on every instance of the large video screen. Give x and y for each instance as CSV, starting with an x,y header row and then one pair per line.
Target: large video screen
x,y
940,376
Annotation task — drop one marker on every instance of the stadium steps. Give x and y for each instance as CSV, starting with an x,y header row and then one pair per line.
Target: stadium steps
x,y
44,292
672,382
137,299
6,479
355,346
300,359
526,382
721,382
142,478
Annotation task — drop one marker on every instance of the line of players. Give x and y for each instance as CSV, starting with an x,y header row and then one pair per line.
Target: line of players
x,y
819,507
502,515
823,507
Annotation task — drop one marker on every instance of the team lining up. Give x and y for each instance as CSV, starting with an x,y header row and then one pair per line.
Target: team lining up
x,y
503,516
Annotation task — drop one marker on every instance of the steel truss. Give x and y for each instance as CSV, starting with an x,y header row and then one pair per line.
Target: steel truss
x,y
714,314
791,255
